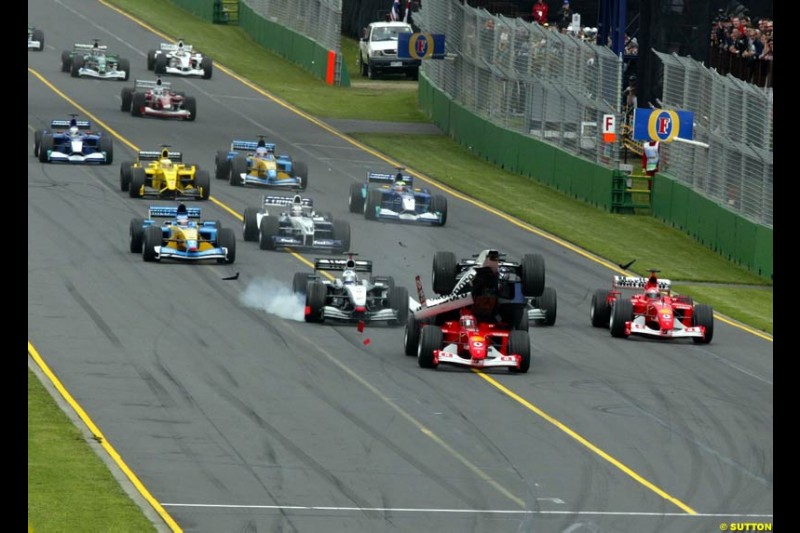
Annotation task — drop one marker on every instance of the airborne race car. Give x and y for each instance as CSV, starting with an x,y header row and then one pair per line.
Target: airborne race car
x,y
397,199
653,312
35,39
181,238
163,174
157,99
350,298
482,322
295,224
179,59
71,141
94,61
260,166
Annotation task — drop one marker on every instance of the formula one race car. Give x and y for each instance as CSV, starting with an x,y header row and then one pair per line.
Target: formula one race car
x,y
652,312
397,199
94,61
157,99
179,59
35,39
181,238
482,323
294,223
351,297
260,166
71,141
163,174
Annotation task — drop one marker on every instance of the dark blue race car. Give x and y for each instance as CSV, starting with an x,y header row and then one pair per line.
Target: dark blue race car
x,y
255,163
394,197
72,141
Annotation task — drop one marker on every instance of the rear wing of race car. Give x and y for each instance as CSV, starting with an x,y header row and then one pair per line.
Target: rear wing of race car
x,y
89,47
359,265
380,177
632,282
59,124
153,155
169,47
151,84
249,146
161,211
286,201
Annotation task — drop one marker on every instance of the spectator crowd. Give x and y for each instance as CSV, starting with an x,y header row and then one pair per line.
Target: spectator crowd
x,y
742,47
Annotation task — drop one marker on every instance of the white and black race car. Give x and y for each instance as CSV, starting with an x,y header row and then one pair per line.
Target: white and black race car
x,y
351,297
291,222
179,59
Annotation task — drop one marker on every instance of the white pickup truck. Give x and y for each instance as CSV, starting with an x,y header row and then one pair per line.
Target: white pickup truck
x,y
378,51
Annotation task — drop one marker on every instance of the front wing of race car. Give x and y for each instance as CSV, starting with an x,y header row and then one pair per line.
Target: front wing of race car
x,y
449,355
164,113
282,241
188,71
60,157
190,193
332,312
167,252
107,75
638,326
433,219
281,181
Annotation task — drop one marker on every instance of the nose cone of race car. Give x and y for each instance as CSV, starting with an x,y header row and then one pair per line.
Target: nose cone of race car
x,y
477,347
666,320
191,245
76,146
409,203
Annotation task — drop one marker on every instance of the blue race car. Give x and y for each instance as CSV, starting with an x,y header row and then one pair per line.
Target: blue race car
x,y
396,198
181,238
255,163
71,141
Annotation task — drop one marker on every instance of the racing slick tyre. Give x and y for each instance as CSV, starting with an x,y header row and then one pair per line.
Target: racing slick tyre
x,y
190,105
124,66
66,61
38,35
77,65
703,316
431,338
250,224
138,178
373,204
37,141
532,274
138,104
386,280
160,65
227,239
270,226
136,234
126,96
621,312
519,343
202,182
411,335
125,175
600,312
300,170
445,268
356,201
439,205
107,147
315,301
398,300
516,316
300,282
341,232
45,146
152,238
151,59
238,166
208,67
222,165
548,302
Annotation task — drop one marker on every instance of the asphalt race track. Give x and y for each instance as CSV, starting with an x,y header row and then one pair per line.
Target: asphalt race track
x,y
236,419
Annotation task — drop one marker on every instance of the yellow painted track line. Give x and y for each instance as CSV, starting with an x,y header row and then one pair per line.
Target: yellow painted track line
x,y
99,437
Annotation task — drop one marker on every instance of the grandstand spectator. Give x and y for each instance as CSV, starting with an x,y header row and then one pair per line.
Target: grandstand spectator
x,y
540,10
564,16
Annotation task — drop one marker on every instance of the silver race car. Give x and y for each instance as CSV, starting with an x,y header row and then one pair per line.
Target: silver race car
x,y
179,59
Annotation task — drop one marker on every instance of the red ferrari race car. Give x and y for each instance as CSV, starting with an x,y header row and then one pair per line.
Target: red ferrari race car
x,y
157,99
480,324
653,312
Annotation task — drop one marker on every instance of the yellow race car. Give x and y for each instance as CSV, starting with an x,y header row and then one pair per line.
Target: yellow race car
x,y
164,175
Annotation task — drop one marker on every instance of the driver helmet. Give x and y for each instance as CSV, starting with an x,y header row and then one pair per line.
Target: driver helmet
x,y
652,294
349,277
468,323
400,186
73,130
166,163
182,219
261,151
297,210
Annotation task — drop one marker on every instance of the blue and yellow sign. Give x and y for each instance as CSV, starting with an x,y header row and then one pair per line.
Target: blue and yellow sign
x,y
420,46
662,125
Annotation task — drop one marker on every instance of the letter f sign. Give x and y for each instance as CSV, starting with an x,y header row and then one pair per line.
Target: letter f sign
x,y
663,125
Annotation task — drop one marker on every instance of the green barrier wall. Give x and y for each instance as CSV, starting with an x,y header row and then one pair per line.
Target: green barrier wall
x,y
732,236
